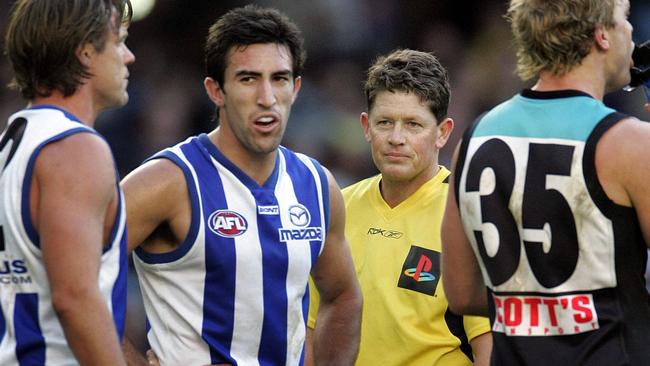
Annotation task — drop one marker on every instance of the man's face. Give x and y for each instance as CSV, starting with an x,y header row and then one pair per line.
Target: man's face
x,y
255,100
622,46
109,70
404,136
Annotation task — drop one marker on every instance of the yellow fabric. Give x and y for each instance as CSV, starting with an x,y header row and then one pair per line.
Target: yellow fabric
x,y
400,326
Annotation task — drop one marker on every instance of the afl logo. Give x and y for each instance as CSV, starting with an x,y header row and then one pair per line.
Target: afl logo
x,y
227,223
299,215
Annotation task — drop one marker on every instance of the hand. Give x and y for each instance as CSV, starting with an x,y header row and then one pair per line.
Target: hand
x,y
647,107
152,359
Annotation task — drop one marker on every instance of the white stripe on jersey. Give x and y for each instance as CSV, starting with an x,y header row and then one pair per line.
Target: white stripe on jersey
x,y
249,298
298,268
44,124
176,336
176,313
310,165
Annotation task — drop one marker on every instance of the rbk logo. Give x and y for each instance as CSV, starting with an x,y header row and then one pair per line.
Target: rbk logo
x,y
391,234
299,215
421,271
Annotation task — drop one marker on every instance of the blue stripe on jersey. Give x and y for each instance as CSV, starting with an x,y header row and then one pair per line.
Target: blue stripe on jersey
x,y
275,266
304,186
305,316
118,214
186,245
30,344
27,182
219,291
570,118
326,193
243,177
3,324
118,297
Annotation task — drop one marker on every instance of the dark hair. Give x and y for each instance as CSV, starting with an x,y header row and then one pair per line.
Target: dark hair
x,y
410,71
246,26
43,36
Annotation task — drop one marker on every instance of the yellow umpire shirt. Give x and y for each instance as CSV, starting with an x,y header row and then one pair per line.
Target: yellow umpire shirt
x,y
396,253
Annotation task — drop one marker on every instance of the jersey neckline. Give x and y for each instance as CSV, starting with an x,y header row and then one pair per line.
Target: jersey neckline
x,y
249,182
553,94
51,106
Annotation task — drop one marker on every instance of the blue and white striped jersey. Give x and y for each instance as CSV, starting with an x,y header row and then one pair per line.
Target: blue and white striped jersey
x,y
235,290
30,332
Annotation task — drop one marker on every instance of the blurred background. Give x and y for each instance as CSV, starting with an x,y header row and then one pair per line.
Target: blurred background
x,y
342,37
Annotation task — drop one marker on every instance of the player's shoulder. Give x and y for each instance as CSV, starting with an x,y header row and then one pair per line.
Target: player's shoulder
x,y
77,149
628,133
159,171
359,189
294,157
169,166
81,160
622,156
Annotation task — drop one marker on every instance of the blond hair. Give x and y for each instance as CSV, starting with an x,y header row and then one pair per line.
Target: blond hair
x,y
555,36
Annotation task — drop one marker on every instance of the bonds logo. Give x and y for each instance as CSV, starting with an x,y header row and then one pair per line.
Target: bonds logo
x,y
421,271
227,224
14,272
299,215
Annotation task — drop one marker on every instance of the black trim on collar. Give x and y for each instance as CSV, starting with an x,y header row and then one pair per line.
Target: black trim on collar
x,y
554,94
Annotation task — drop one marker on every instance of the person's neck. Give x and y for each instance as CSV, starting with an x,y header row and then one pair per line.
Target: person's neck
x,y
588,77
394,192
76,104
258,167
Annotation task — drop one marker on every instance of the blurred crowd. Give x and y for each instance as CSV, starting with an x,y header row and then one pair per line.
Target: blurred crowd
x,y
342,37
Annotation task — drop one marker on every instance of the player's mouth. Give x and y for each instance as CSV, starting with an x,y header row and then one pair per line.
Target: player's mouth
x,y
395,156
267,122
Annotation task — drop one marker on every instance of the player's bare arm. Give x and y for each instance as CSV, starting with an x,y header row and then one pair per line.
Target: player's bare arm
x,y
463,282
336,337
73,200
625,178
155,195
132,355
157,205
482,349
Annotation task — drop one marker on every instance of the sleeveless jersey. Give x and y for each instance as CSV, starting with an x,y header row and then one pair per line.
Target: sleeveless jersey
x,y
396,253
30,332
563,264
235,290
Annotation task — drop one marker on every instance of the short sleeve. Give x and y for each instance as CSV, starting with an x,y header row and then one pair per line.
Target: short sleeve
x,y
314,302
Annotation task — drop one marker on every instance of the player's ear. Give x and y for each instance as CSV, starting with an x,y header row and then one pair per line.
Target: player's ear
x,y
297,83
214,91
365,125
601,38
444,131
85,54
